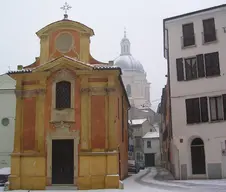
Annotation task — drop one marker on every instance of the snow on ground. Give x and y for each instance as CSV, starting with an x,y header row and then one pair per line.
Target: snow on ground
x,y
219,182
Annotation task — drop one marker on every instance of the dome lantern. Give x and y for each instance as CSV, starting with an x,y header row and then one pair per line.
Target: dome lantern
x,y
126,61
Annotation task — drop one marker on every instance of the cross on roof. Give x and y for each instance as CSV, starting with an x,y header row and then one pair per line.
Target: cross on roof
x,y
66,7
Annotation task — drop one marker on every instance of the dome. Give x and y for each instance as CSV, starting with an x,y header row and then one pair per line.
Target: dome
x,y
126,61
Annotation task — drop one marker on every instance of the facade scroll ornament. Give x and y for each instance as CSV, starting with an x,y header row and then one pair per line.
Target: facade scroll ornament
x,y
29,93
64,74
98,89
61,125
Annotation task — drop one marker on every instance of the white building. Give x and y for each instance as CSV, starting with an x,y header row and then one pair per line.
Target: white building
x,y
139,128
7,118
194,45
151,149
134,77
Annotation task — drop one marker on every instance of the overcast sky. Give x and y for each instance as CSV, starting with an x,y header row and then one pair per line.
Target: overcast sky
x,y
21,19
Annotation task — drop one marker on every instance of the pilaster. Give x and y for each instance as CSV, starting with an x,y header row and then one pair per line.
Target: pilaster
x,y
85,114
44,52
84,47
40,123
112,140
18,125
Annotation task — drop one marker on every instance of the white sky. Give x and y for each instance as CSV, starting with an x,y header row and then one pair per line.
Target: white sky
x,y
21,19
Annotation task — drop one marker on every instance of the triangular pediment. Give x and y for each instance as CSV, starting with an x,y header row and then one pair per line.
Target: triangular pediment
x,y
63,62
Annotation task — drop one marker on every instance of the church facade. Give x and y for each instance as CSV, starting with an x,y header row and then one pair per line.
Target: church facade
x,y
71,115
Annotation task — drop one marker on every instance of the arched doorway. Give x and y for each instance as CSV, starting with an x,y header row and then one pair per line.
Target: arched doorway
x,y
198,161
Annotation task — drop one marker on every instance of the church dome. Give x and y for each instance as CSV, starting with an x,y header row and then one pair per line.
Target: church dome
x,y
126,61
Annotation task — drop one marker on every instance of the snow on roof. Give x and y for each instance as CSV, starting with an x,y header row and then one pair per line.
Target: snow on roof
x,y
5,171
137,121
146,111
150,135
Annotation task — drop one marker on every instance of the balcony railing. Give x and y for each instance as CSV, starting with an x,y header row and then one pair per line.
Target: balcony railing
x,y
188,41
209,37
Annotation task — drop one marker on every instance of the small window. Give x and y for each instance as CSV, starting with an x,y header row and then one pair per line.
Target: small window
x,y
128,90
212,64
197,110
188,35
191,69
148,144
209,31
63,95
5,122
216,108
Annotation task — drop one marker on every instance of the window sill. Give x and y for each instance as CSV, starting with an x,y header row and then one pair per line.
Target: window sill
x,y
207,77
61,109
209,122
214,76
210,42
190,46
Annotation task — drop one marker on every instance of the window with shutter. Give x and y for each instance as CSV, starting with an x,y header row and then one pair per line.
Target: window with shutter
x,y
216,108
192,110
200,65
188,34
212,64
224,105
191,69
209,31
204,109
63,95
180,69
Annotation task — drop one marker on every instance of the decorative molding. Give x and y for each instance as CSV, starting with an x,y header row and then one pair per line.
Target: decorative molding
x,y
61,125
98,89
64,74
30,93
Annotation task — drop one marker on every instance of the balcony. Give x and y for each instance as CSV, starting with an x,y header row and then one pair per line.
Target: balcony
x,y
188,41
209,37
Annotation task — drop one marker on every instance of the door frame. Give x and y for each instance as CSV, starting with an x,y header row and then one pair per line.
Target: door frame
x,y
62,134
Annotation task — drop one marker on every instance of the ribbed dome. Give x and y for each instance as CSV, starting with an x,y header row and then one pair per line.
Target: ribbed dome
x,y
126,61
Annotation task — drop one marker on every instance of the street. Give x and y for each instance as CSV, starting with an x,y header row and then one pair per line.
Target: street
x,y
148,180
145,181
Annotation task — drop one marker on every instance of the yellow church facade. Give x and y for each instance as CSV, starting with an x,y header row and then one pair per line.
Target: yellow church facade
x,y
71,115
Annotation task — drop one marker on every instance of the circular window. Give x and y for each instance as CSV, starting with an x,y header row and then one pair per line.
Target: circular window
x,y
5,121
64,42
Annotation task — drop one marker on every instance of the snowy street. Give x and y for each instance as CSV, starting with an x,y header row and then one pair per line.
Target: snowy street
x,y
149,180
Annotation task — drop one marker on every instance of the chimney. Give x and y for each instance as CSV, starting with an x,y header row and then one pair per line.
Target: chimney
x,y
19,67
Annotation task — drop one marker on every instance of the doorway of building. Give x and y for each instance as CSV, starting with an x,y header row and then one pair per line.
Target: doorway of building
x,y
63,161
198,157
149,160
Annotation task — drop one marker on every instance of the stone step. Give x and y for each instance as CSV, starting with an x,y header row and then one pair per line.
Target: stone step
x,y
61,187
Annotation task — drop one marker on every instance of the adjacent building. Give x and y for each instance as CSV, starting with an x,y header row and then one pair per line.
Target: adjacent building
x,y
7,118
151,148
71,115
194,46
138,146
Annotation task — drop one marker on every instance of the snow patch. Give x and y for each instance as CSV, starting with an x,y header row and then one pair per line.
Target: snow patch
x,y
5,171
